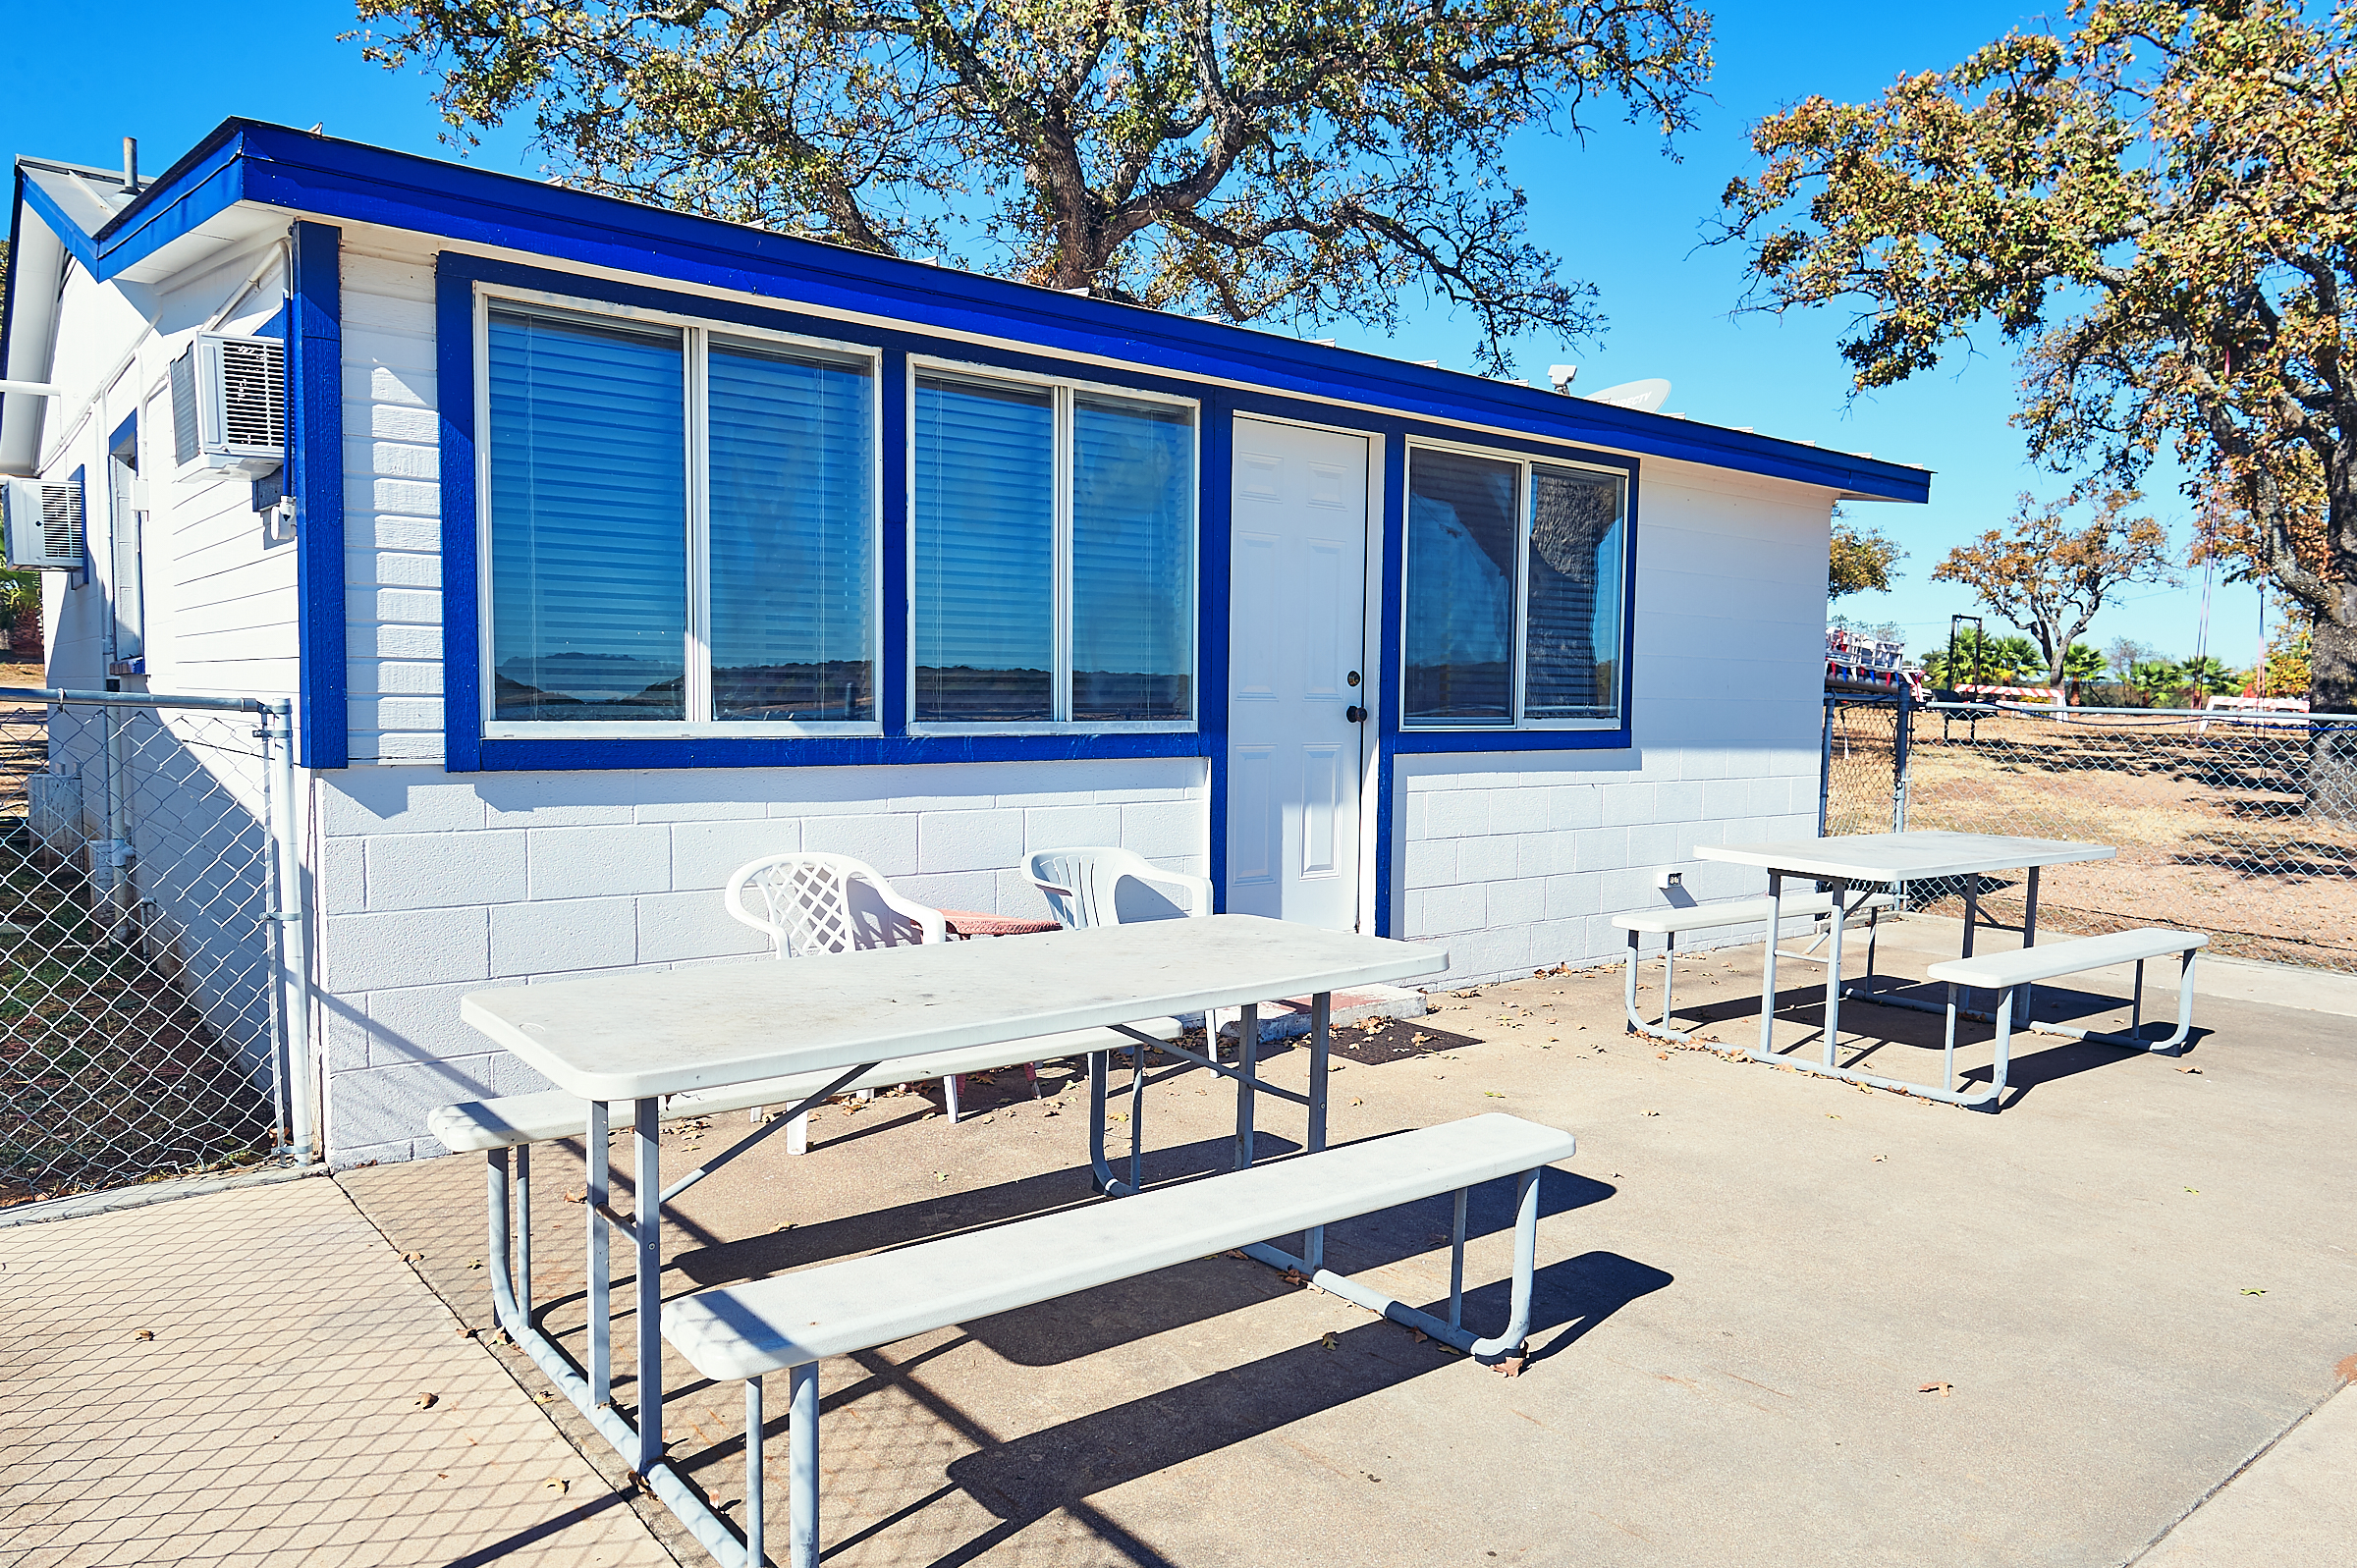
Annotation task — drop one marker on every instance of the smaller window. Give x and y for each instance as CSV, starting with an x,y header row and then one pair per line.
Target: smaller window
x,y
1515,574
1053,565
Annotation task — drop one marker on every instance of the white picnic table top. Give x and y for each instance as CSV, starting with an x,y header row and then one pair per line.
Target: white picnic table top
x,y
634,1036
1905,856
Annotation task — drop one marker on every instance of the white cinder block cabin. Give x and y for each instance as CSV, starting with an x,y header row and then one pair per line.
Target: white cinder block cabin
x,y
626,546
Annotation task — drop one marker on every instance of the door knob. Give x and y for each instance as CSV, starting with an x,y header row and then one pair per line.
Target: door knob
x,y
1357,716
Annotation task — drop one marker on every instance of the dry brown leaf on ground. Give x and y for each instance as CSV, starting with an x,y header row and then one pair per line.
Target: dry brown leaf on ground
x,y
144,1333
1327,1341
2189,1068
1511,1367
555,1483
1939,1388
427,1402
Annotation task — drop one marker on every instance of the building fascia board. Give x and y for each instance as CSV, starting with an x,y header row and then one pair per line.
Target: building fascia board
x,y
52,213
37,259
352,182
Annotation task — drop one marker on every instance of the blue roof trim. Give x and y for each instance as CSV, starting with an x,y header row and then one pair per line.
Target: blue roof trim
x,y
81,246
245,160
199,186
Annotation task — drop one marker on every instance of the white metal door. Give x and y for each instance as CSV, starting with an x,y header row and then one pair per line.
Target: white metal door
x,y
1297,570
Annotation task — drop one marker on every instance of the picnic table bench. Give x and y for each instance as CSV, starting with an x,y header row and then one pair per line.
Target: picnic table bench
x,y
2013,974
790,1322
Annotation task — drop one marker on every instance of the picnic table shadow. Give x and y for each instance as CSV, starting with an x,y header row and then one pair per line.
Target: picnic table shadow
x,y
1897,1031
1129,1310
1023,1479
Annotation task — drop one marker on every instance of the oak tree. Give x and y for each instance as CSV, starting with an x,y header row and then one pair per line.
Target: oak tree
x,y
1860,560
1290,160
2051,579
2158,204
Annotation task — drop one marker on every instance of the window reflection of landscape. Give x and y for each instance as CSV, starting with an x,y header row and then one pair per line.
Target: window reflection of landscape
x,y
1515,586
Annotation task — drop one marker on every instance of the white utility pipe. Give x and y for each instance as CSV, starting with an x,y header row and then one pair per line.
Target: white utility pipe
x,y
32,388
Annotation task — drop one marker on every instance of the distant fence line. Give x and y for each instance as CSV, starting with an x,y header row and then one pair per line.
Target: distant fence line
x,y
2240,824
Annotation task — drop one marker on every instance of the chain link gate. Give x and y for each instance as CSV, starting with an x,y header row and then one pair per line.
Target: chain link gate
x,y
2242,825
148,1024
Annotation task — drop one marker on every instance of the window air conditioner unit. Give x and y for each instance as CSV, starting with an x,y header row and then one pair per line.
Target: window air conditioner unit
x,y
229,408
44,524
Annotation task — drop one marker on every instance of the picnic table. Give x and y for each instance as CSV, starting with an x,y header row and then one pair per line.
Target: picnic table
x,y
638,1038
1871,862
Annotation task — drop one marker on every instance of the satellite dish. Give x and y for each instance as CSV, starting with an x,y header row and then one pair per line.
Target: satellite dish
x,y
1646,397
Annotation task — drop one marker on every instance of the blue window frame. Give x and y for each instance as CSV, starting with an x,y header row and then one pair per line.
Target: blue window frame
x,y
1052,556
1514,610
682,524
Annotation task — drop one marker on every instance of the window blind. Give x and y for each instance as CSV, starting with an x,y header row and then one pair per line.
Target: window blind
x,y
1134,504
792,516
984,520
1462,532
588,519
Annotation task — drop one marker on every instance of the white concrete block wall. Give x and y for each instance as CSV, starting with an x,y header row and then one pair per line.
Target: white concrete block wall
x,y
1520,860
429,885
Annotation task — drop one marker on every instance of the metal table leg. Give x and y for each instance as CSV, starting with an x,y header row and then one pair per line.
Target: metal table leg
x,y
2029,938
1247,1062
1776,931
649,1169
1832,969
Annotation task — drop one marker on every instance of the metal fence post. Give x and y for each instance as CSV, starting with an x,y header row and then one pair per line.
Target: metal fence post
x,y
1825,766
286,862
1900,742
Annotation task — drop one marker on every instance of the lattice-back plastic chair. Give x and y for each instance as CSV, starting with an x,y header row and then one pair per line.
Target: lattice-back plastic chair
x,y
828,904
813,903
1102,886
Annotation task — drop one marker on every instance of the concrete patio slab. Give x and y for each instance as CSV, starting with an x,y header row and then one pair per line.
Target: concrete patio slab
x,y
242,1378
1780,1320
2296,1503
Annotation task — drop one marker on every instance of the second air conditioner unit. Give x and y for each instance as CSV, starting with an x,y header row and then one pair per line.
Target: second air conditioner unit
x,y
229,408
44,524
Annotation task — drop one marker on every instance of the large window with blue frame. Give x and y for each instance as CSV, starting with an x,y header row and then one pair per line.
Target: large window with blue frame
x,y
682,526
1514,593
1052,562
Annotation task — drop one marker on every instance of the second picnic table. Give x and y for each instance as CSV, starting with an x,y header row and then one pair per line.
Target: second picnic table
x,y
1870,863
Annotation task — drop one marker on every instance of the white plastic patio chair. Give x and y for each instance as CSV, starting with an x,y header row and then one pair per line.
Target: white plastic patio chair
x,y
812,903
828,904
1102,886
1086,888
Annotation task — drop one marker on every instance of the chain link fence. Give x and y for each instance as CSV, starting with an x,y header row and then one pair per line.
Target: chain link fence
x,y
2240,825
142,1019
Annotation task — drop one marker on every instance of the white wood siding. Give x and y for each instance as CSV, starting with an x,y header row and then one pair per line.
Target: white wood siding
x,y
392,501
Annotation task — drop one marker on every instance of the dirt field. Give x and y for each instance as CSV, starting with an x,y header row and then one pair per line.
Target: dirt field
x,y
2213,824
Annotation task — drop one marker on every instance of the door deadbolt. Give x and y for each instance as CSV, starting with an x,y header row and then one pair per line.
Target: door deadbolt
x,y
1353,677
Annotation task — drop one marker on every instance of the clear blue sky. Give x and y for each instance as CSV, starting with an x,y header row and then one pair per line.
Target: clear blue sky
x,y
1618,212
